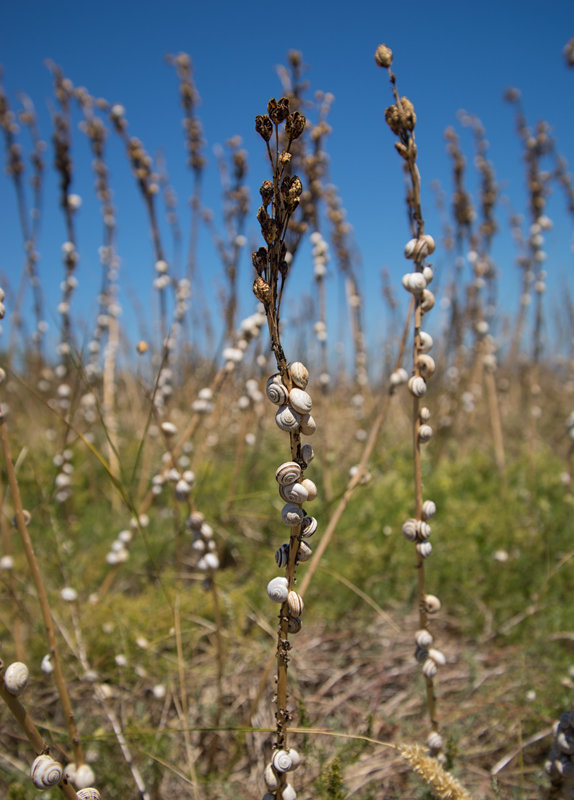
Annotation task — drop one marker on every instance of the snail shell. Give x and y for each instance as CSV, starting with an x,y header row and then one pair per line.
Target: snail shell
x,y
282,555
276,391
410,530
289,792
426,365
270,778
410,248
289,472
428,274
292,514
434,741
438,657
16,678
299,374
423,530
417,386
89,793
311,489
294,625
425,341
295,603
429,509
427,300
45,772
307,453
304,552
300,400
424,414
84,776
423,638
293,493
414,282
424,549
278,589
282,761
425,434
431,604
430,668
168,428
308,527
287,419
308,425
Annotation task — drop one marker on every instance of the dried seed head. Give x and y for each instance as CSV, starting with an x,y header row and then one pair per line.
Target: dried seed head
x,y
266,192
295,125
262,290
264,126
278,110
383,56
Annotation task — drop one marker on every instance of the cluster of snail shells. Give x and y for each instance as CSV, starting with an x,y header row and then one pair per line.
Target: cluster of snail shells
x,y
203,544
560,763
418,531
425,366
295,404
281,762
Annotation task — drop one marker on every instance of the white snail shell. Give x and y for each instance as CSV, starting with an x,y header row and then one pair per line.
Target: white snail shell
x,y
428,274
425,341
410,530
437,656
424,549
308,425
289,472
299,374
308,527
427,300
270,777
293,493
45,772
399,376
434,741
276,391
410,248
168,428
16,678
287,418
425,433
417,386
426,365
423,530
424,414
282,555
300,400
431,604
311,489
278,589
423,638
430,668
304,552
292,514
307,453
89,793
289,792
429,509
295,603
414,282
282,760
84,776
294,624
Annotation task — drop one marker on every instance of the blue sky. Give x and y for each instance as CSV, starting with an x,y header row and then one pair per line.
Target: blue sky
x,y
448,56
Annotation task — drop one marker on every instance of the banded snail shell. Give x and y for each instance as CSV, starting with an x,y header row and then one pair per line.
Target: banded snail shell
x,y
300,400
89,793
278,589
311,489
308,425
417,386
423,530
293,493
84,776
289,472
430,668
424,549
425,341
276,391
427,300
429,509
304,552
282,555
287,419
424,638
45,772
292,514
294,625
426,365
299,374
16,678
295,603
431,604
308,527
410,530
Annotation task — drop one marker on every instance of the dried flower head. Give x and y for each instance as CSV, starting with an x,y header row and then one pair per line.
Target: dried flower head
x,y
278,110
264,126
383,56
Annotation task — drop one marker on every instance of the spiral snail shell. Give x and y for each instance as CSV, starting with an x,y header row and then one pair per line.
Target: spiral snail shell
x,y
427,300
414,282
276,391
299,374
423,638
423,530
300,400
16,678
270,778
434,741
278,589
425,434
289,472
304,552
45,772
285,760
426,365
89,793
308,425
84,776
282,555
311,489
294,625
424,414
292,514
410,530
424,549
295,603
289,792
437,656
429,509
430,668
293,493
428,274
307,453
417,386
308,527
287,419
425,341
431,604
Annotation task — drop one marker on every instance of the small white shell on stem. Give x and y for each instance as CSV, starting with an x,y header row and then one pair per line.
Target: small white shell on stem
x,y
287,418
89,793
431,604
16,678
308,527
295,603
299,374
300,401
278,589
430,668
429,509
308,425
293,493
289,472
423,638
311,489
417,386
45,772
292,514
